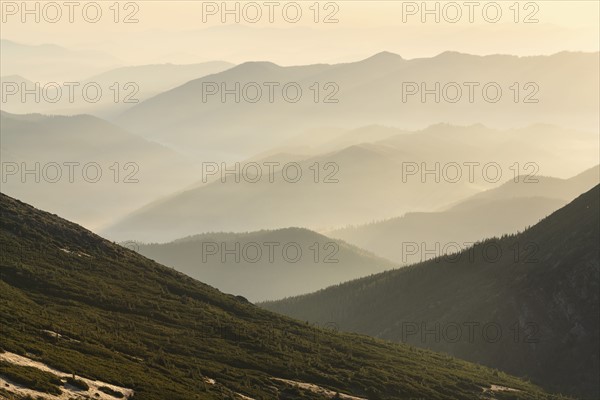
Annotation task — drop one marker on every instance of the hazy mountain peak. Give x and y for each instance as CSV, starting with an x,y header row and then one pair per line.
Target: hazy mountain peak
x,y
257,66
450,54
385,56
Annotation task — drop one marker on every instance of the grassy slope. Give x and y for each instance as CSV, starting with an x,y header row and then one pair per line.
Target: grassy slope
x,y
141,325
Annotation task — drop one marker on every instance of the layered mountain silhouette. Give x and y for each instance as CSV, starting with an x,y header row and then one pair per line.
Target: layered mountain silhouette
x,y
506,209
75,302
360,183
299,201
85,168
195,118
328,139
60,63
525,303
265,265
108,93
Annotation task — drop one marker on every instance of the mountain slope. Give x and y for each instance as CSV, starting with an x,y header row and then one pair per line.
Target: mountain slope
x,y
544,186
157,78
117,172
266,265
506,209
118,317
539,289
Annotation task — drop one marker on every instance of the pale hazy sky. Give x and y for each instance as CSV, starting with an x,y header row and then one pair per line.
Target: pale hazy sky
x,y
174,31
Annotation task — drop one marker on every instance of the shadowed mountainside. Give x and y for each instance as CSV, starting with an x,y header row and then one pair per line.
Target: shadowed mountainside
x,y
525,303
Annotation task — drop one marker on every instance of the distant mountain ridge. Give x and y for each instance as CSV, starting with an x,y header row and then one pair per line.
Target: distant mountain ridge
x,y
266,265
119,89
368,176
507,209
359,93
95,172
60,63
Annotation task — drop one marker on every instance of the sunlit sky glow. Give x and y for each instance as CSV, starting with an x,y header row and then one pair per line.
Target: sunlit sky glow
x,y
174,31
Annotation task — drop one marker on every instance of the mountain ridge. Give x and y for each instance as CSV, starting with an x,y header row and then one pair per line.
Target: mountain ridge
x,y
266,264
541,285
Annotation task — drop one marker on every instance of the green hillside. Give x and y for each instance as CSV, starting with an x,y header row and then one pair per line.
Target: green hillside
x,y
118,317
